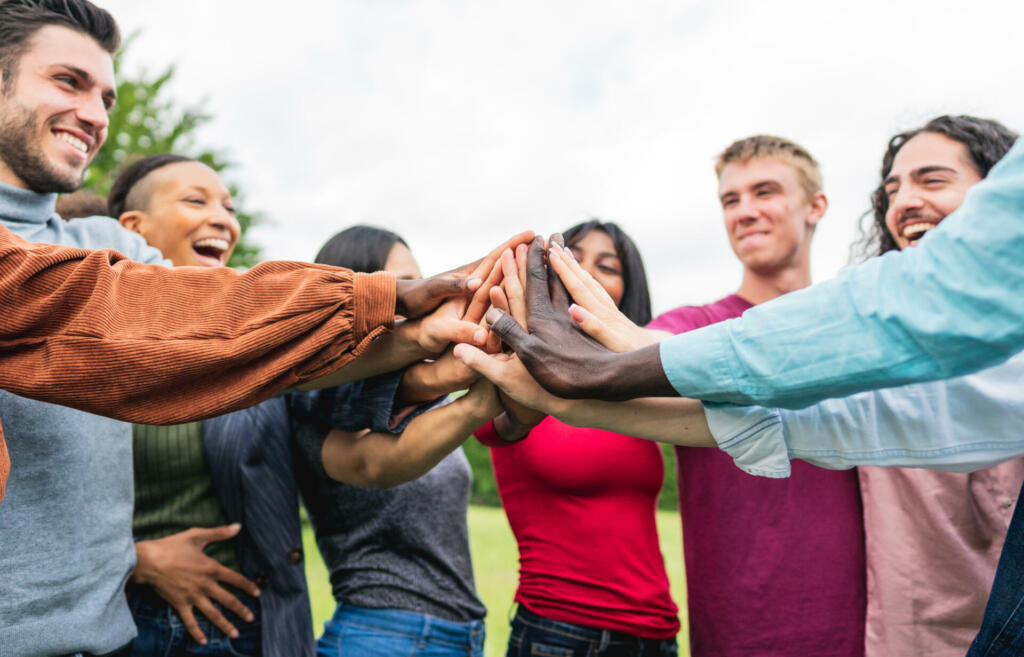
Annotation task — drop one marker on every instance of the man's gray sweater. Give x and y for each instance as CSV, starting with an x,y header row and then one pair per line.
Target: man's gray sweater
x,y
65,526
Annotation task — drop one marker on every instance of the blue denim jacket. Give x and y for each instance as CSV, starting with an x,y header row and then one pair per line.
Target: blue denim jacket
x,y
951,306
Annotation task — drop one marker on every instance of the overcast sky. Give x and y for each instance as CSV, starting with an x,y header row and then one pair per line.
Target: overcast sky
x,y
457,122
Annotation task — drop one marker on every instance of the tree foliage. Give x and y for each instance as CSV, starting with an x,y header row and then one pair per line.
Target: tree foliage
x,y
146,121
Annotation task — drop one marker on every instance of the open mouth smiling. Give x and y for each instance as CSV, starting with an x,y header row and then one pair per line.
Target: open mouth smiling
x,y
212,251
914,230
73,141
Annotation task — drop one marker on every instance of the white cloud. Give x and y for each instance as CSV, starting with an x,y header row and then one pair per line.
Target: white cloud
x,y
457,123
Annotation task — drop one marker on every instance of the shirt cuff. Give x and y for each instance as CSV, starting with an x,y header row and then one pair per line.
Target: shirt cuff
x,y
695,362
753,436
373,303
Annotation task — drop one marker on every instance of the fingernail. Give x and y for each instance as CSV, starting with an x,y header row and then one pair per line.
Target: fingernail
x,y
236,525
458,351
256,593
202,642
234,634
249,617
492,315
480,336
475,282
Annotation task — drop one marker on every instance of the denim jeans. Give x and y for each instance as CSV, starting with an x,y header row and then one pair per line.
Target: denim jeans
x,y
359,632
162,632
1002,629
536,636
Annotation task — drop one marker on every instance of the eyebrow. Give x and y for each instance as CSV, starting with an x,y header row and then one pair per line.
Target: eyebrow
x,y
109,94
768,182
921,172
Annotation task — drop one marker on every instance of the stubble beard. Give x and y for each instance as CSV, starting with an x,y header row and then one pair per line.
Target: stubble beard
x,y
25,158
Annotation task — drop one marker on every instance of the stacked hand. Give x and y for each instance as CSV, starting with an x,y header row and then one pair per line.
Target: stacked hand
x,y
554,350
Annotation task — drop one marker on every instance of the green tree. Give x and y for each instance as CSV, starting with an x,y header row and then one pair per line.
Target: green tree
x,y
145,121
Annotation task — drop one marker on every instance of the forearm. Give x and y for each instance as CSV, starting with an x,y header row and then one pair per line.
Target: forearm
x,y
91,330
947,307
677,421
961,424
377,460
389,352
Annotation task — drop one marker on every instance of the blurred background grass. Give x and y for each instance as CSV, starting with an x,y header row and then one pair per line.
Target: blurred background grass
x,y
495,565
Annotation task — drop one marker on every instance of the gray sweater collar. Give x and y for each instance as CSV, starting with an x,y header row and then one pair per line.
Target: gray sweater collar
x,y
18,204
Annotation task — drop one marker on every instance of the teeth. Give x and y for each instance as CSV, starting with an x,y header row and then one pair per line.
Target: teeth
x,y
74,141
914,231
213,243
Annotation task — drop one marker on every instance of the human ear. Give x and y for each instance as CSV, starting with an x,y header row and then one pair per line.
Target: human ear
x,y
132,220
818,206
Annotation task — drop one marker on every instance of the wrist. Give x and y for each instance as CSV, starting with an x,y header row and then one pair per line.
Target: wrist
x,y
143,560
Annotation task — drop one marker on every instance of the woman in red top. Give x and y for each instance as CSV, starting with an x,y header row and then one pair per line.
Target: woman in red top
x,y
581,502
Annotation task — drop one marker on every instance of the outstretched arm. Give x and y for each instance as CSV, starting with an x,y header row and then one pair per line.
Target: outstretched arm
x,y
381,460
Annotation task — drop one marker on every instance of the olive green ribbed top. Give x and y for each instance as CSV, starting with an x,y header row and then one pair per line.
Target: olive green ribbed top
x,y
174,488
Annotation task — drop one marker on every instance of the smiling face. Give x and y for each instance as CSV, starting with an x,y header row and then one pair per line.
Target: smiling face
x,y
596,253
187,214
930,175
53,114
768,216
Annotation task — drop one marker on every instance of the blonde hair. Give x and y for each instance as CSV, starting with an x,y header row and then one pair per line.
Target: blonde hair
x,y
777,148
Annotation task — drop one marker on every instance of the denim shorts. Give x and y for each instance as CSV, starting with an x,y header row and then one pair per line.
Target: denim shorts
x,y
536,636
360,632
162,632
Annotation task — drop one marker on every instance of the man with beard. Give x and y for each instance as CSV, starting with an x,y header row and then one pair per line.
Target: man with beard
x,y
78,330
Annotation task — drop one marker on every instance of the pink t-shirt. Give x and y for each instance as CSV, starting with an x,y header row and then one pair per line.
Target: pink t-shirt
x,y
774,567
581,503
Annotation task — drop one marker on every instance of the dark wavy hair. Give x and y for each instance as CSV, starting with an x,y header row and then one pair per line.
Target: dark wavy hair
x,y
117,199
636,298
987,141
359,248
21,19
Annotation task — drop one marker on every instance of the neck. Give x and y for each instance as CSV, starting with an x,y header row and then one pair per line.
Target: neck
x,y
758,287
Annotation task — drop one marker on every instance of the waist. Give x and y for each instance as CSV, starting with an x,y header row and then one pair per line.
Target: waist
x,y
526,620
409,623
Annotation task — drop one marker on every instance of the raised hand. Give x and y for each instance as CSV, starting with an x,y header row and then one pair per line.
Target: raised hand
x,y
417,298
594,311
561,358
185,577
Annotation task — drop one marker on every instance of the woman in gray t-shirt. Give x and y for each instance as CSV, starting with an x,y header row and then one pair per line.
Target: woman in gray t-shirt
x,y
398,558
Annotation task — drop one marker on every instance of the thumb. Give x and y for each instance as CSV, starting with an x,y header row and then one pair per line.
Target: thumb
x,y
486,365
594,327
508,329
204,536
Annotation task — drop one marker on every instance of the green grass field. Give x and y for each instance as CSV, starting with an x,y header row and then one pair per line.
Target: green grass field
x,y
494,565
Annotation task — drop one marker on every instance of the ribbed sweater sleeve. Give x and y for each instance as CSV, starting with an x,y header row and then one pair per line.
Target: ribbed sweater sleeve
x,y
144,343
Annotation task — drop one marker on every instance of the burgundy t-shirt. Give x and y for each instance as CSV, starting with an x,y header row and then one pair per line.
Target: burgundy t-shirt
x,y
773,566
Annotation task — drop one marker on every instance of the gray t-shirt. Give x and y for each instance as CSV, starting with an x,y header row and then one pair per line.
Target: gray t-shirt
x,y
65,526
404,548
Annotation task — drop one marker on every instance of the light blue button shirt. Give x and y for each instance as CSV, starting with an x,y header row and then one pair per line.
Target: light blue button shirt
x,y
962,424
951,306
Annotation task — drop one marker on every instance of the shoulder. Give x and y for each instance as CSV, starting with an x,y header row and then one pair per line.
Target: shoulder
x,y
106,233
685,318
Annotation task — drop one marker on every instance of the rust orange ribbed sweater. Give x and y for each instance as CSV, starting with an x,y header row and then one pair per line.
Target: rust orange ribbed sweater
x,y
143,343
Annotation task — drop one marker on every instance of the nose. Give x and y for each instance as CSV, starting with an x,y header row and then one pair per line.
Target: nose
x,y
904,200
745,211
226,221
93,111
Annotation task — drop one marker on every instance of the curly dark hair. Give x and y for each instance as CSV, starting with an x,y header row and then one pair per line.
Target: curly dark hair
x,y
636,298
987,141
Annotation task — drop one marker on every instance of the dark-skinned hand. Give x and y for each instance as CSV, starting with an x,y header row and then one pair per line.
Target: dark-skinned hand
x,y
560,357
